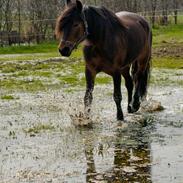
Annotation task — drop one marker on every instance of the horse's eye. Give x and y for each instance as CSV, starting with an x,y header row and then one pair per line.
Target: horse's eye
x,y
76,25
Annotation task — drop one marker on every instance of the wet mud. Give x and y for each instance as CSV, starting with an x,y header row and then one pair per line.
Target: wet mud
x,y
39,142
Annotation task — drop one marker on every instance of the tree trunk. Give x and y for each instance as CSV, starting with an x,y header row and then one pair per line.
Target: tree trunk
x,y
175,16
19,22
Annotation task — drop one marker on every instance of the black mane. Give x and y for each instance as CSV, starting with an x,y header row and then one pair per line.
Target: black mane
x,y
103,27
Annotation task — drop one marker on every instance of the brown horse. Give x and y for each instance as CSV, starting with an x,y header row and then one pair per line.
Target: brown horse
x,y
117,44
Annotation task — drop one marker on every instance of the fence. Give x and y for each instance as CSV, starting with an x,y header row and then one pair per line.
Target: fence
x,y
38,30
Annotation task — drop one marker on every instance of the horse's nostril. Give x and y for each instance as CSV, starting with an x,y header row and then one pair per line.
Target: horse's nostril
x,y
65,51
60,51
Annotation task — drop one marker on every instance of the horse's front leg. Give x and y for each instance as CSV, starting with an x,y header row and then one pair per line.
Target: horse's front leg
x,y
117,95
90,80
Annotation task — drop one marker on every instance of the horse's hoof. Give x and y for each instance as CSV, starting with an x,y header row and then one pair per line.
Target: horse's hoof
x,y
135,107
120,118
130,109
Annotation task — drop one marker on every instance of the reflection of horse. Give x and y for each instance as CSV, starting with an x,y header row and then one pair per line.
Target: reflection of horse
x,y
114,43
131,163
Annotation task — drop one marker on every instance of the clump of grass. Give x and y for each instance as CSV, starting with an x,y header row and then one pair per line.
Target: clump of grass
x,y
39,128
70,80
12,134
8,97
46,74
8,69
103,80
24,85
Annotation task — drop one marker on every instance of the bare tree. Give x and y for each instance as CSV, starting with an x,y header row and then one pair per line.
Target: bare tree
x,y
153,9
175,6
8,25
164,6
34,20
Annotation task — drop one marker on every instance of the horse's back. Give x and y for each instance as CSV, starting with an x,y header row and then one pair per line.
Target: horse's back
x,y
134,22
138,34
129,19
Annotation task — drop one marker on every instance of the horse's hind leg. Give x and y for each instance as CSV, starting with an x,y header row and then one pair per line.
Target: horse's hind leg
x,y
117,95
129,86
140,74
90,79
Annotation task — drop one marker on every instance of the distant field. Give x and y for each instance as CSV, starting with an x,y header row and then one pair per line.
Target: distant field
x,y
167,49
168,34
161,35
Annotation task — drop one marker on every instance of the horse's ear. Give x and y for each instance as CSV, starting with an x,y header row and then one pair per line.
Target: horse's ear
x,y
79,5
67,2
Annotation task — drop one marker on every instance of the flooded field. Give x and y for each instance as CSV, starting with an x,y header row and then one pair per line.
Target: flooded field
x,y
39,141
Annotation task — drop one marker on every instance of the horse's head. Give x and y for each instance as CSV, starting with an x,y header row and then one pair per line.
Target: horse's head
x,y
71,28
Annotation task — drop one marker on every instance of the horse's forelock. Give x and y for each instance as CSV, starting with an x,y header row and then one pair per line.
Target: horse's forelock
x,y
64,17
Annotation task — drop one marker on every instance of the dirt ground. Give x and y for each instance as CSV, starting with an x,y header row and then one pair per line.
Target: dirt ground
x,y
40,143
169,50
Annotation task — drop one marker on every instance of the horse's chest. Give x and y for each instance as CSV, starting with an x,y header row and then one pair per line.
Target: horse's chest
x,y
96,63
99,65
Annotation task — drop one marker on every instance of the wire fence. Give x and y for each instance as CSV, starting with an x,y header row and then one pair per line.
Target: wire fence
x,y
28,33
145,14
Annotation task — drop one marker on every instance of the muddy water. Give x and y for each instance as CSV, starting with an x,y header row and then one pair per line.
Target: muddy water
x,y
148,148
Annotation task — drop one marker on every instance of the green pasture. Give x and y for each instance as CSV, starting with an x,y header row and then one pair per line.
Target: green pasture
x,y
24,68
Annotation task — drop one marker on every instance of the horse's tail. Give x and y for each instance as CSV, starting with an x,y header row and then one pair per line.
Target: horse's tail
x,y
145,75
144,80
141,76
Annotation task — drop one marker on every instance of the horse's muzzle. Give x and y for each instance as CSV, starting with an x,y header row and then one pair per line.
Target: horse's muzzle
x,y
65,52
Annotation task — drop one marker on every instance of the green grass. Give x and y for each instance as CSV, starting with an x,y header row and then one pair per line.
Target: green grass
x,y
46,47
168,63
165,80
8,97
163,35
28,57
23,85
103,79
39,128
33,76
34,52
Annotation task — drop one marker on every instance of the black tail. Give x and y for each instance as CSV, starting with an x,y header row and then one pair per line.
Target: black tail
x,y
145,75
143,81
141,77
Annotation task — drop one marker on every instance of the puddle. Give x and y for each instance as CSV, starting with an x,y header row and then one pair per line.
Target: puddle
x,y
148,148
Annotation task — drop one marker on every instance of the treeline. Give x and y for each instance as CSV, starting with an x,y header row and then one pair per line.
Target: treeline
x,y
26,21
157,11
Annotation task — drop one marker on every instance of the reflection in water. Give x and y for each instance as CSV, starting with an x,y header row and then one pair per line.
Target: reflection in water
x,y
131,162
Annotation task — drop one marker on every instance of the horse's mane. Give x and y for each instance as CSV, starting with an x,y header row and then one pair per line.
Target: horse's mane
x,y
104,28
